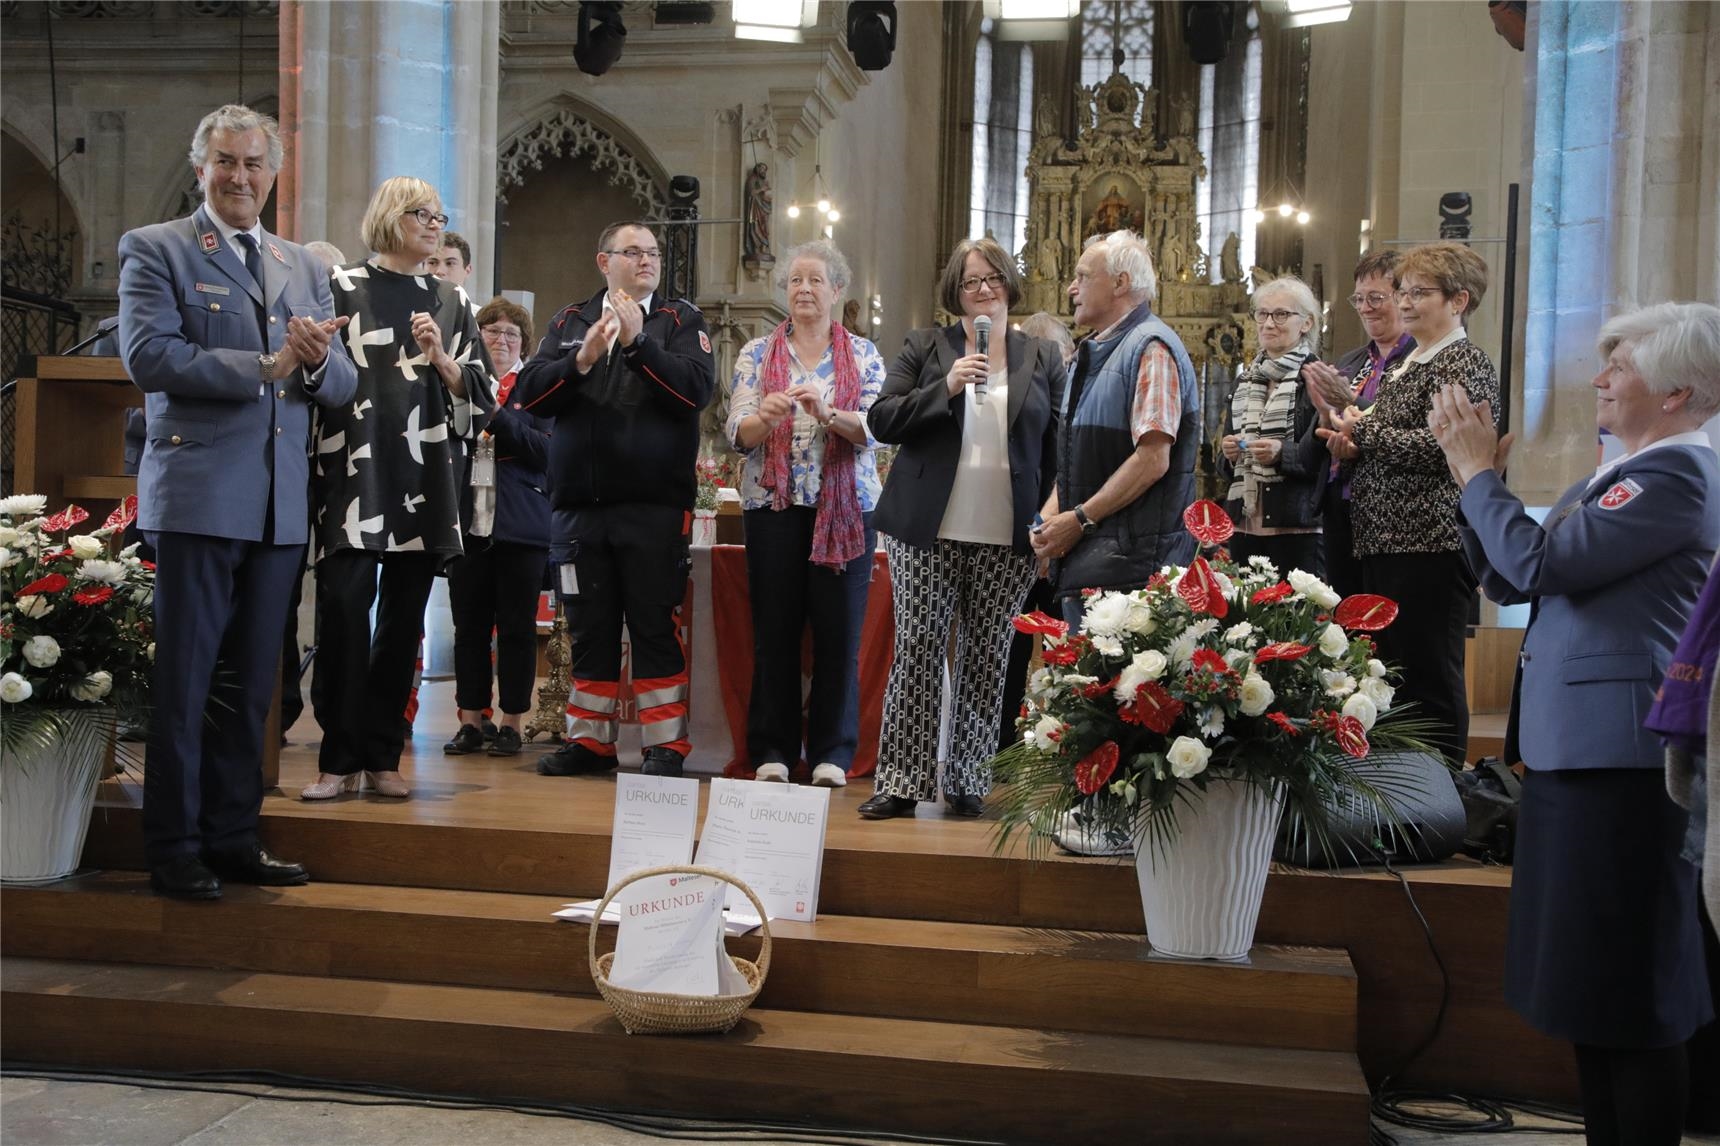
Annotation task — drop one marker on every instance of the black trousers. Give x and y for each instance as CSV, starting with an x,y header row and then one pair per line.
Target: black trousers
x,y
1042,597
1286,551
1426,642
1343,567
632,565
787,593
363,678
220,608
495,586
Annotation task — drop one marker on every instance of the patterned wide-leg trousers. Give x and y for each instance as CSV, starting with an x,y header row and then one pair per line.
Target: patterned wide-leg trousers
x,y
979,588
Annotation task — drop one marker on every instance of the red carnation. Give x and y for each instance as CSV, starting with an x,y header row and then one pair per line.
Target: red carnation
x,y
1282,651
93,594
1199,589
1153,707
1352,737
1272,594
52,583
1038,623
1367,612
66,518
1096,767
1208,522
1284,722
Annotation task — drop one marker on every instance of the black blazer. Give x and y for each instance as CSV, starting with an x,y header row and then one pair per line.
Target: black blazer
x,y
915,412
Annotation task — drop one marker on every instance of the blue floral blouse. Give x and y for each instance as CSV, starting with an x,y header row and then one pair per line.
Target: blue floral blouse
x,y
806,448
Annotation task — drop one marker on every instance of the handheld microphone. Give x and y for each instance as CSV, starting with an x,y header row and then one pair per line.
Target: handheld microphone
x,y
982,346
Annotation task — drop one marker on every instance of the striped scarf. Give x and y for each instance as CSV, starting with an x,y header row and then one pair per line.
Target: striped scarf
x,y
1261,408
838,532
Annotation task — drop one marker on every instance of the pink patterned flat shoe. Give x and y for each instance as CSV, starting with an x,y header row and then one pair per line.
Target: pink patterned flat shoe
x,y
388,784
327,787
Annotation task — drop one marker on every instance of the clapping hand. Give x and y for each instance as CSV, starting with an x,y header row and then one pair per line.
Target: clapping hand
x,y
628,313
1464,430
597,342
1329,389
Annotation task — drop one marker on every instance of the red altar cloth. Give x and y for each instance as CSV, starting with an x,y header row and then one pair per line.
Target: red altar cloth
x,y
731,618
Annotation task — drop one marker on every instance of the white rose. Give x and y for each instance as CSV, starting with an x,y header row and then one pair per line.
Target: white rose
x,y
1376,668
7,558
1338,684
1238,633
1239,659
1314,589
1187,757
1334,642
150,651
1140,620
42,651
1377,691
84,545
23,504
1105,615
1108,646
1360,707
14,689
1151,662
1257,694
110,572
93,687
1212,722
35,606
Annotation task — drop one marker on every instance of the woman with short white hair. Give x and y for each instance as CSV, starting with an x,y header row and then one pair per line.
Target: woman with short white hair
x,y
1604,944
1276,463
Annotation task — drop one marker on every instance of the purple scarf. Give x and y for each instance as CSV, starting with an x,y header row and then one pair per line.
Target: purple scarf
x,y
1680,711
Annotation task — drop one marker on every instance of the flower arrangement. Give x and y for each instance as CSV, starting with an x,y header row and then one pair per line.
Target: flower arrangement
x,y
1208,672
712,473
76,620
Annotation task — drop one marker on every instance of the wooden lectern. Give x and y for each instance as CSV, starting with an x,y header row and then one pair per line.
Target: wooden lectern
x,y
69,444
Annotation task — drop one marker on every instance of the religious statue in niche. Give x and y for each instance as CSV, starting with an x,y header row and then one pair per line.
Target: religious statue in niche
x,y
755,233
1114,214
851,315
1230,259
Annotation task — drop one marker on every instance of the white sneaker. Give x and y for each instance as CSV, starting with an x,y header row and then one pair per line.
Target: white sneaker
x,y
829,776
772,773
1083,840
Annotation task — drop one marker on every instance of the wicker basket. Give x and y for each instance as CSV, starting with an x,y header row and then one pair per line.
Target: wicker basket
x,y
662,1013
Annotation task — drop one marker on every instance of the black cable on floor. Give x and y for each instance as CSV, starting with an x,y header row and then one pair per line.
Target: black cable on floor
x,y
368,1094
1450,1113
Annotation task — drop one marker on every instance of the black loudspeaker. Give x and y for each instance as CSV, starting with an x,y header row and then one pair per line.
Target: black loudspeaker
x,y
1431,818
1207,28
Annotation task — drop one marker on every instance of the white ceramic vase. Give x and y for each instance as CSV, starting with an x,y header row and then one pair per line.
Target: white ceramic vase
x,y
704,527
47,792
1201,888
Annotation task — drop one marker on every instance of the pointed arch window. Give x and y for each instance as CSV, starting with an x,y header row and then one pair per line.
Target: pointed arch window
x,y
1109,24
1229,136
1002,137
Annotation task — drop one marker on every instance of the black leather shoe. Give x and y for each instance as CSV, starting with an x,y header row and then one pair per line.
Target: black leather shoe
x,y
488,729
884,806
661,761
506,743
255,864
184,878
574,760
961,805
468,739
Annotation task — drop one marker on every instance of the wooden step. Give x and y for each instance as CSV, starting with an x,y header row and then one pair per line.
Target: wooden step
x,y
869,1074
966,973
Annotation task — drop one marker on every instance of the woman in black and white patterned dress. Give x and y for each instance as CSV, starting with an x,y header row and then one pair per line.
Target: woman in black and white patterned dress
x,y
388,476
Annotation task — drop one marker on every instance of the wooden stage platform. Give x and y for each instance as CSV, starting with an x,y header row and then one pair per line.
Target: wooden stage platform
x,y
945,989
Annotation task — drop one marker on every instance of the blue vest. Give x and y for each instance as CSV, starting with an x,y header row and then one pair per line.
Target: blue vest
x,y
1095,440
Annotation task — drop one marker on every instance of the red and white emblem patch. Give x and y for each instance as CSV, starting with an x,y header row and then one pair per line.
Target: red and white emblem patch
x,y
211,242
704,342
1620,494
276,251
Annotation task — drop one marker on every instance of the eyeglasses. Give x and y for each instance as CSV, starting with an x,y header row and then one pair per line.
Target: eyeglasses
x,y
502,333
972,284
1374,299
1276,317
1415,294
427,217
638,254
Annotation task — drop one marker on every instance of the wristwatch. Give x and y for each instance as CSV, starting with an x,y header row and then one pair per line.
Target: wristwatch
x,y
638,340
1088,525
266,367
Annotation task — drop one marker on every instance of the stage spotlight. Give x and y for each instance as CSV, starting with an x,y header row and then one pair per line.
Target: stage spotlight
x,y
601,36
1207,27
872,33
670,13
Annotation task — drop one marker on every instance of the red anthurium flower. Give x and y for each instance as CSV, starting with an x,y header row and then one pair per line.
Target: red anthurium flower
x,y
1098,688
66,518
1038,623
52,583
1209,660
55,555
1284,722
1272,594
123,514
1153,708
150,565
1199,589
93,594
1367,612
1208,522
1096,767
1352,737
1282,651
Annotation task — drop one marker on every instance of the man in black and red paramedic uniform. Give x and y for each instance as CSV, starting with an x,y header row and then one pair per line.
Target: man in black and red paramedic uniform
x,y
624,375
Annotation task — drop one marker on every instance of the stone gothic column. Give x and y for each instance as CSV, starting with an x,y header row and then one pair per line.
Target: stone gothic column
x,y
1623,205
397,87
